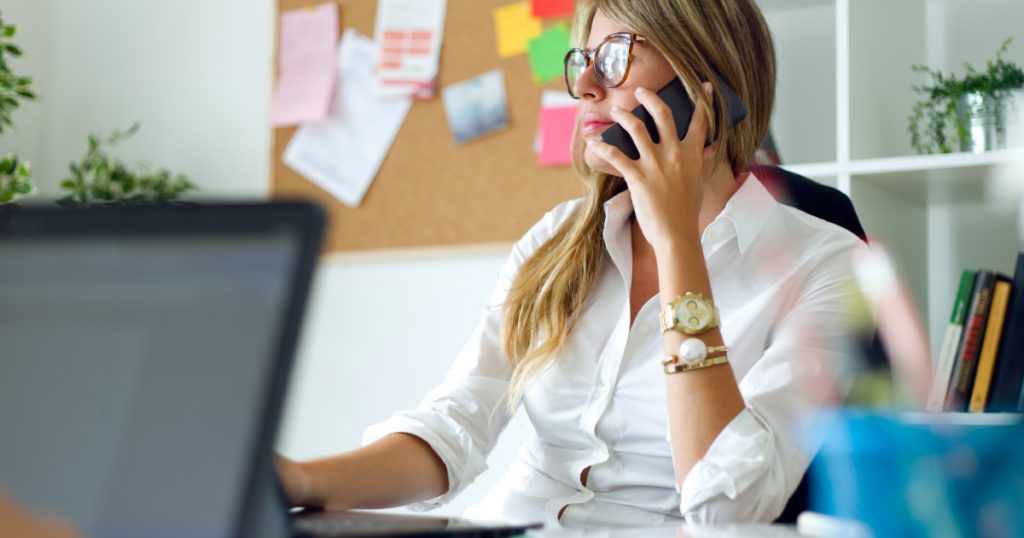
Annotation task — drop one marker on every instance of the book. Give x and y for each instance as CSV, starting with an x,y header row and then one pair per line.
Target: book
x,y
1005,393
951,344
990,345
961,381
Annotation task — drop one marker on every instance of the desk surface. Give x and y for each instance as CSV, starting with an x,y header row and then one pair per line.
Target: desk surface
x,y
676,531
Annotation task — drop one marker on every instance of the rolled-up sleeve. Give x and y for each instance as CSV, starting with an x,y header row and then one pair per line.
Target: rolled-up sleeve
x,y
462,418
757,461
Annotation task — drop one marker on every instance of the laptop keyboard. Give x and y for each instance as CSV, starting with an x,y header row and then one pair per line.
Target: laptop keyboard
x,y
327,526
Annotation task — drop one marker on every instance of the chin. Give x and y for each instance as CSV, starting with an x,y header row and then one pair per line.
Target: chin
x,y
599,164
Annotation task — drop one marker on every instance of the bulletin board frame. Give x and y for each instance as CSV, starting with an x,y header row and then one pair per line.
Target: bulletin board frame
x,y
431,194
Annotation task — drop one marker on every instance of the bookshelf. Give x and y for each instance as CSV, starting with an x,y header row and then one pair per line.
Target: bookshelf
x,y
844,96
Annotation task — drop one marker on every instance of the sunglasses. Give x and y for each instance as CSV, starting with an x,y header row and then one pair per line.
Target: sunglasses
x,y
611,59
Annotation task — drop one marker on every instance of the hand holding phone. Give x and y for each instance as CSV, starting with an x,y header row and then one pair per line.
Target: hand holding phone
x,y
675,96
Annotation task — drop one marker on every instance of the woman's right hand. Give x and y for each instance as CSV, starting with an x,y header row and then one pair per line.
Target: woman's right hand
x,y
293,480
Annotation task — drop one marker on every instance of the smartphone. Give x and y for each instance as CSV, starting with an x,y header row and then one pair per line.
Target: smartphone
x,y
674,95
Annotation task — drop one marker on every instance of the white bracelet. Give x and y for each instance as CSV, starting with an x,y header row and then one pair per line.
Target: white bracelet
x,y
694,350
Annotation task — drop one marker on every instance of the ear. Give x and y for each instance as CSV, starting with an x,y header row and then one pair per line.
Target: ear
x,y
709,153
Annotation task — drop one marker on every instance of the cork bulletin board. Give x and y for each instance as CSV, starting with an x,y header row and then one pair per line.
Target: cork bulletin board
x,y
430,192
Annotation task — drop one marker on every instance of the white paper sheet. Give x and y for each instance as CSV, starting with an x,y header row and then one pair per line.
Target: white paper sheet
x,y
343,154
408,34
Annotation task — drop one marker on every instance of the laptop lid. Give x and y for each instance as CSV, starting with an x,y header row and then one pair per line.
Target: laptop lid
x,y
145,352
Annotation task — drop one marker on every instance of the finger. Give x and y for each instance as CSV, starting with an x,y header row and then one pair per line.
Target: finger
x,y
697,133
636,129
614,156
661,113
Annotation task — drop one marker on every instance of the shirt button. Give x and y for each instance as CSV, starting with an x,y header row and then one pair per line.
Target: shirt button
x,y
643,329
604,450
712,234
604,391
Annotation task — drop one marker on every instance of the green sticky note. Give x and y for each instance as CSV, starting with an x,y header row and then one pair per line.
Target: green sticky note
x,y
547,53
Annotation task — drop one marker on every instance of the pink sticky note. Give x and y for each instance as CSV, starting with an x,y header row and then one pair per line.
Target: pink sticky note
x,y
556,127
308,65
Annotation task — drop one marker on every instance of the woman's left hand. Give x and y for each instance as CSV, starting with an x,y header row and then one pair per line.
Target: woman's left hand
x,y
667,182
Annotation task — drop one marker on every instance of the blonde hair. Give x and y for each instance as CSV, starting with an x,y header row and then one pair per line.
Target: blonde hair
x,y
729,37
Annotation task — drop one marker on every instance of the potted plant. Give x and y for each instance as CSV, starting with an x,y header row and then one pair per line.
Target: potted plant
x,y
102,179
15,176
99,178
969,113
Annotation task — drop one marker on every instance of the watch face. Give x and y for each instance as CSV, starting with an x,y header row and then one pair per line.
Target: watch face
x,y
693,314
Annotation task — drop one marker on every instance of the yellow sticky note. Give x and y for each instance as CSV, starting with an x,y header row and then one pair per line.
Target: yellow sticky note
x,y
514,26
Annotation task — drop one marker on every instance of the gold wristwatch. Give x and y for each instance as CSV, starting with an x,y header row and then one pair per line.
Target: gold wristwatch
x,y
690,313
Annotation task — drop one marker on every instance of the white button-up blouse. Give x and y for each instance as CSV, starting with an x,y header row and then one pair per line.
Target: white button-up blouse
x,y
782,281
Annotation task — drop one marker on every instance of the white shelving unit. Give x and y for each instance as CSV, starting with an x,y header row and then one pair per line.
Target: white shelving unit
x,y
841,118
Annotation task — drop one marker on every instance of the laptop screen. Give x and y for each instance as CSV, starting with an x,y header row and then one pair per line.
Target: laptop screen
x,y
133,374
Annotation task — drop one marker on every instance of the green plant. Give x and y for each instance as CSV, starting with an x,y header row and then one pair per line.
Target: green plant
x,y
14,179
102,179
13,89
940,106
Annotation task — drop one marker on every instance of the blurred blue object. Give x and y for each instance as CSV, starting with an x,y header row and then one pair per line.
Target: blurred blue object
x,y
922,475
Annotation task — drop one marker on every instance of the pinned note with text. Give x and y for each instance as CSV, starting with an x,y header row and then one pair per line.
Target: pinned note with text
x,y
408,35
307,67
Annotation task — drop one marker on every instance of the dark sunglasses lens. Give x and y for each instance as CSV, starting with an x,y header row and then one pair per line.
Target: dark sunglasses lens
x,y
575,65
612,60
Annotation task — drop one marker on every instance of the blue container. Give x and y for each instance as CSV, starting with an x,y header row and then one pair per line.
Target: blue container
x,y
919,475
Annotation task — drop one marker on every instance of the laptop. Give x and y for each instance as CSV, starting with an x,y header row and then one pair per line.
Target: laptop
x,y
145,354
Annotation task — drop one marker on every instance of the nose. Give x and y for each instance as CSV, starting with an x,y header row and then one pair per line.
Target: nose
x,y
587,86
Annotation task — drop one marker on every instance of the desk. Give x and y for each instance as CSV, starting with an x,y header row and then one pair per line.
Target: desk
x,y
675,531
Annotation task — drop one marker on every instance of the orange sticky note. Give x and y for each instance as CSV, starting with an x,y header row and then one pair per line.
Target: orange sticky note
x,y
556,127
552,8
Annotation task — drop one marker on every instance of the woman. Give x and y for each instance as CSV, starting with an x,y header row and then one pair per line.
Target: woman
x,y
622,438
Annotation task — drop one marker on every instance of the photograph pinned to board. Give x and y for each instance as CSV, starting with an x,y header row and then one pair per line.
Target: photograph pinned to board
x,y
556,124
514,26
408,34
546,53
477,107
552,8
343,154
307,66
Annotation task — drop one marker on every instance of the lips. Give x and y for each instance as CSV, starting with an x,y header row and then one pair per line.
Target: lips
x,y
595,123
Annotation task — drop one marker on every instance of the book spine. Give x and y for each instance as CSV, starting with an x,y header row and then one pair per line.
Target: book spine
x,y
962,380
1004,396
951,344
987,358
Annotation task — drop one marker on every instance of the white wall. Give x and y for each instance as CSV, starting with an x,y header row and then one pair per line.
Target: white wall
x,y
196,73
804,120
379,336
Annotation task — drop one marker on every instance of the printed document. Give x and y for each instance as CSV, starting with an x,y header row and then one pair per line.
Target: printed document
x,y
408,34
343,154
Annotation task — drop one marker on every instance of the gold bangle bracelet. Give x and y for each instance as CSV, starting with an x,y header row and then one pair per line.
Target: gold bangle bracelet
x,y
683,367
674,359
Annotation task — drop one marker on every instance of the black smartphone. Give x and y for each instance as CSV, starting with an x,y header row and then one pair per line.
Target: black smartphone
x,y
674,95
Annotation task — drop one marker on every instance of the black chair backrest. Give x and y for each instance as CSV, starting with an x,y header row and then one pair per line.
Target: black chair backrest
x,y
809,196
